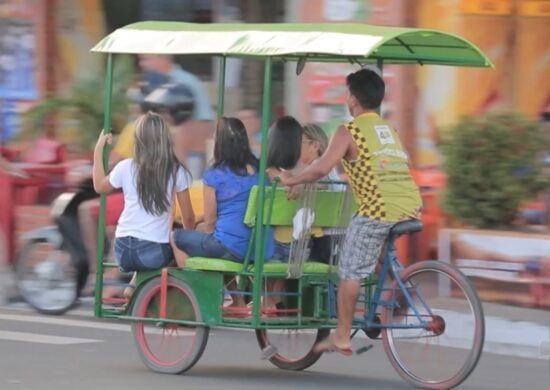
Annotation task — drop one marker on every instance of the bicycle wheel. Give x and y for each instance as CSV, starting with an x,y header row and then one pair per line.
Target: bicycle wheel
x,y
163,346
294,347
46,277
447,349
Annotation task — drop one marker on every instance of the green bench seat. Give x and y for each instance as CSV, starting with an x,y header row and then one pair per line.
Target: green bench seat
x,y
221,265
211,264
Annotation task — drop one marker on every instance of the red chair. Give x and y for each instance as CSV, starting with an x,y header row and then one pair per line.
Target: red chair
x,y
9,154
45,151
45,164
430,182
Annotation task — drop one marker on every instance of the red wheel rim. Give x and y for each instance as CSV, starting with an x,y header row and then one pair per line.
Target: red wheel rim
x,y
167,332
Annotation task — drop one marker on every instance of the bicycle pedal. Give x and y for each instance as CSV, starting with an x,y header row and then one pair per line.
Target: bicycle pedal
x,y
268,352
363,349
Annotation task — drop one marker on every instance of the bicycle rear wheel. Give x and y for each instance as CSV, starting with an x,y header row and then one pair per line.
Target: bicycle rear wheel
x,y
165,346
443,353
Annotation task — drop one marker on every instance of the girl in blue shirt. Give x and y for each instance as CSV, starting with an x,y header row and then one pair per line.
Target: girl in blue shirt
x,y
227,184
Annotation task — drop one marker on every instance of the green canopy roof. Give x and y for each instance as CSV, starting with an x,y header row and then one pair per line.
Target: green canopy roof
x,y
334,42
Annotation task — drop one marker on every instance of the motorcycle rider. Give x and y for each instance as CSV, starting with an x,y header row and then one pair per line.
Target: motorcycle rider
x,y
175,103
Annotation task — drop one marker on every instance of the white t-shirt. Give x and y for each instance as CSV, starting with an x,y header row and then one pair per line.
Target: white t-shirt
x,y
135,221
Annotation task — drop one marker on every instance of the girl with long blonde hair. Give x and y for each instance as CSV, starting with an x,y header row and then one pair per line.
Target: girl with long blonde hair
x,y
148,181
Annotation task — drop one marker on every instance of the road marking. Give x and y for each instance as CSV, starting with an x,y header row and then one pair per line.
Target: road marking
x,y
81,313
65,322
43,338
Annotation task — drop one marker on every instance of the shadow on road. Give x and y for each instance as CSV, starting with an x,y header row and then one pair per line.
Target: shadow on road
x,y
292,379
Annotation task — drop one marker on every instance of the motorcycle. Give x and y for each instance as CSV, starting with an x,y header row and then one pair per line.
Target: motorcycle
x,y
52,267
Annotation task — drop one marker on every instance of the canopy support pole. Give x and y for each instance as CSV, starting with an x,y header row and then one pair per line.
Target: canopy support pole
x,y
380,66
101,217
259,249
221,87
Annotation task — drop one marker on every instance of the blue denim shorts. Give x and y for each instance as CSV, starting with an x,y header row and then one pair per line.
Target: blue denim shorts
x,y
196,243
281,251
134,254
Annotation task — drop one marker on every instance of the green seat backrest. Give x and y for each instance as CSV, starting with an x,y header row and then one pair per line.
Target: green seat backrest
x,y
327,206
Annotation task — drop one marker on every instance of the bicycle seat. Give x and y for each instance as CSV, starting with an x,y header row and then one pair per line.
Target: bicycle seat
x,y
405,227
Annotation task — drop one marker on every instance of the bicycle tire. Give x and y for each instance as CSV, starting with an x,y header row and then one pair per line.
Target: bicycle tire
x,y
444,325
181,305
286,359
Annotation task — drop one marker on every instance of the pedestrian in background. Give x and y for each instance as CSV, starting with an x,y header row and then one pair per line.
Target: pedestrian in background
x,y
195,132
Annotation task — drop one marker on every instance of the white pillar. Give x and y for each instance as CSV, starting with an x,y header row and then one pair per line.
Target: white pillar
x,y
291,87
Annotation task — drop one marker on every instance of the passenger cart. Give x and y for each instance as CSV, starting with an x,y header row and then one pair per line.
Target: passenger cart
x,y
427,315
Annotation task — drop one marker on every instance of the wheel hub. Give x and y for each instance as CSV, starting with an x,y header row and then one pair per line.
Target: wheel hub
x,y
436,325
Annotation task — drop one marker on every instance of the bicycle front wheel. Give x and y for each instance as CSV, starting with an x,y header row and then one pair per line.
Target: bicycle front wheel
x,y
441,353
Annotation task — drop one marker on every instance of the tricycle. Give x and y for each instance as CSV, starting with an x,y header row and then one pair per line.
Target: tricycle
x,y
427,315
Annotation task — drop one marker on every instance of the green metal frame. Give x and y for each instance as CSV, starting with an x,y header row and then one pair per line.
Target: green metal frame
x,y
260,237
208,285
101,220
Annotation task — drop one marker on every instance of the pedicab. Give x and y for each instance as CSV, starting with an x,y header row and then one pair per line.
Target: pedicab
x,y
427,315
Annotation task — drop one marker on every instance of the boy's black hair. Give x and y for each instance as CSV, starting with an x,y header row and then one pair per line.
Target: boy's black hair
x,y
231,148
367,87
284,143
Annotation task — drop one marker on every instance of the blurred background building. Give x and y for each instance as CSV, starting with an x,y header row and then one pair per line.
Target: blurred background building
x,y
45,47
44,52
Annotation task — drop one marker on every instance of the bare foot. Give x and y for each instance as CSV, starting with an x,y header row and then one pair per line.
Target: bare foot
x,y
112,292
129,291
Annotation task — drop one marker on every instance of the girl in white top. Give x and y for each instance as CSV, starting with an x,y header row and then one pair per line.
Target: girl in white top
x,y
149,180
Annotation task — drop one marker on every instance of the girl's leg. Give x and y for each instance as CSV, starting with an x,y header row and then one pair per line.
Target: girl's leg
x,y
273,286
129,291
88,229
179,255
238,299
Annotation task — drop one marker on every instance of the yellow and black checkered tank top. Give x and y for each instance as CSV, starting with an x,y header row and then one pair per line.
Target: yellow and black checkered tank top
x,y
380,178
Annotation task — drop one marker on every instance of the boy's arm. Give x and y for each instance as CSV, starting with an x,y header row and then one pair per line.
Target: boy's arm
x,y
337,149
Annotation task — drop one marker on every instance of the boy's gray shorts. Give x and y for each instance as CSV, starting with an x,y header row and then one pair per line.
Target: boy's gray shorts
x,y
363,243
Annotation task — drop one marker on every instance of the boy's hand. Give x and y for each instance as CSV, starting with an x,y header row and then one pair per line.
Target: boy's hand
x,y
294,192
285,177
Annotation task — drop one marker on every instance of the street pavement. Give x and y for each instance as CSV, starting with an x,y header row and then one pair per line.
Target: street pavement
x,y
79,351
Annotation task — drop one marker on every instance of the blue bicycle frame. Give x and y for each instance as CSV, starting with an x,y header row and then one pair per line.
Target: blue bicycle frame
x,y
390,264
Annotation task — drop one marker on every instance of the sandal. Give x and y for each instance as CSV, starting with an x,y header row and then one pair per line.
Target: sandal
x,y
236,312
327,345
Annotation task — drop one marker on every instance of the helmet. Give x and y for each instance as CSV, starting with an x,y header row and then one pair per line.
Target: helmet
x,y
175,99
150,80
